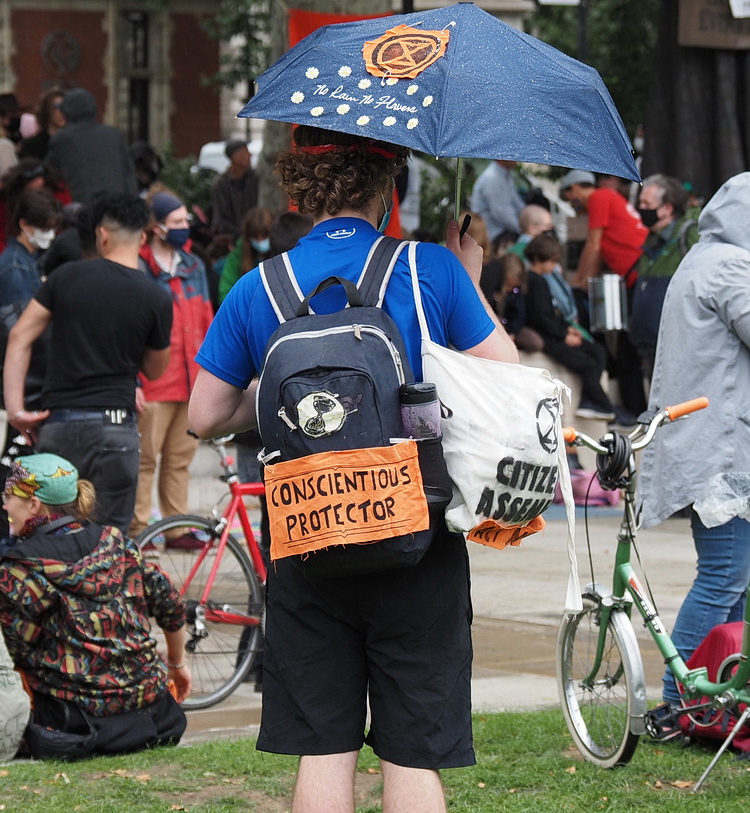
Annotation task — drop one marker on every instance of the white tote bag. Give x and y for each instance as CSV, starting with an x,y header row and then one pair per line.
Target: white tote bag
x,y
502,442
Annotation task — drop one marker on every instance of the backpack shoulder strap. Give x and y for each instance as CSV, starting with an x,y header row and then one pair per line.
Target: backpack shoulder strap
x,y
281,286
379,265
286,296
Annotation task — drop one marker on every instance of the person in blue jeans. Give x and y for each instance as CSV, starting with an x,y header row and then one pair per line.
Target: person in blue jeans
x,y
108,322
703,348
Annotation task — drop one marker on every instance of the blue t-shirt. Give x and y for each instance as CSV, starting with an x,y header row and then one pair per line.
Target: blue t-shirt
x,y
236,341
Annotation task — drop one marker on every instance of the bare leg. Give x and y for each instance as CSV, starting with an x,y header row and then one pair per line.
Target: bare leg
x,y
411,790
325,784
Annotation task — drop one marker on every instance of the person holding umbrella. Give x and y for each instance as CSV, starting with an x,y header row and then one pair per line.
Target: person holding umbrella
x,y
333,642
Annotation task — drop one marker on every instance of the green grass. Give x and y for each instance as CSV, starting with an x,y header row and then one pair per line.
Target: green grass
x,y
526,762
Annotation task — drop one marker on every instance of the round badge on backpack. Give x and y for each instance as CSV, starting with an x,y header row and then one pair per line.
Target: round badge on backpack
x,y
320,414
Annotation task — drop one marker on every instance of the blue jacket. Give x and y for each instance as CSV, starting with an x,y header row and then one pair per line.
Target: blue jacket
x,y
19,274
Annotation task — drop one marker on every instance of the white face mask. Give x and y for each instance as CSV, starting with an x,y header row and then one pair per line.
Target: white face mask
x,y
41,238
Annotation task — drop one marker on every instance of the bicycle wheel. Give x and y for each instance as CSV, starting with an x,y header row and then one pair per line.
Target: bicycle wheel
x,y
599,713
221,647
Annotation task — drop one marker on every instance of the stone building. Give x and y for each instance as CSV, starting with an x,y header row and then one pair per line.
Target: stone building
x,y
143,60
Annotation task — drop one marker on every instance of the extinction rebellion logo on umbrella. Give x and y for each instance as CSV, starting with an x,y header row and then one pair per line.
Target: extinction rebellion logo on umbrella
x,y
404,52
400,53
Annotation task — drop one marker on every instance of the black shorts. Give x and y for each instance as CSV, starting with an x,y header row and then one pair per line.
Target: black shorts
x,y
402,638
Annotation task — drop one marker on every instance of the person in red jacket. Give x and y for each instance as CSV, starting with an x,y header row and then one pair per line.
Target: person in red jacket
x,y
163,422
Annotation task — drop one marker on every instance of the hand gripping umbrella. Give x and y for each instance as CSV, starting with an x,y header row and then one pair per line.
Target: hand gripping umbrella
x,y
452,82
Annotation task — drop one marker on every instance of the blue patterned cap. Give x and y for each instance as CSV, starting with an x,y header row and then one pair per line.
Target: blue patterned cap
x,y
50,478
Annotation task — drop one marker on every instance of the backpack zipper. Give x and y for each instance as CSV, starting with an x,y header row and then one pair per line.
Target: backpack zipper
x,y
357,330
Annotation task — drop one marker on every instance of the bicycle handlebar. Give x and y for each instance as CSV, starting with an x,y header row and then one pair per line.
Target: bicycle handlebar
x,y
686,407
666,415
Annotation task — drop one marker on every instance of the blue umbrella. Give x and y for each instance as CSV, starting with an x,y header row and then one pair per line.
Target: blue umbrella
x,y
452,82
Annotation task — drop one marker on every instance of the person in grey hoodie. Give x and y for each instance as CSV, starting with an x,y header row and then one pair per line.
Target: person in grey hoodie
x,y
90,157
703,348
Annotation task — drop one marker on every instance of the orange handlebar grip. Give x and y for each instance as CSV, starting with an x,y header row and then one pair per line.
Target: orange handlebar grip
x,y
678,410
569,434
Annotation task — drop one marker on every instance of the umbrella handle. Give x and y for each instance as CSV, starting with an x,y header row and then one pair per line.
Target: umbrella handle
x,y
459,177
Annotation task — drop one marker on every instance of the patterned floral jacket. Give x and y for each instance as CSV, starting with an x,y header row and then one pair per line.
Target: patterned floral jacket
x,y
75,611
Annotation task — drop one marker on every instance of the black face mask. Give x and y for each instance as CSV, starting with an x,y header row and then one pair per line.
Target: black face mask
x,y
550,233
649,217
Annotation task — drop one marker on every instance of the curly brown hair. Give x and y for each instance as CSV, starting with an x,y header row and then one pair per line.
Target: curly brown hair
x,y
340,178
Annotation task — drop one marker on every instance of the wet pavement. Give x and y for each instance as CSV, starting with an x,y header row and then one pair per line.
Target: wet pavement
x,y
518,596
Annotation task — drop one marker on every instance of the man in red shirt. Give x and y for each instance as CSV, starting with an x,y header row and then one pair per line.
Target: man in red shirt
x,y
615,231
613,243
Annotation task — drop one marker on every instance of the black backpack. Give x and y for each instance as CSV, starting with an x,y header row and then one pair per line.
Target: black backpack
x,y
330,382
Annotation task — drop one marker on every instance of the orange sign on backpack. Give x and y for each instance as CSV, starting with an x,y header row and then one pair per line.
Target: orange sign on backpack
x,y
348,497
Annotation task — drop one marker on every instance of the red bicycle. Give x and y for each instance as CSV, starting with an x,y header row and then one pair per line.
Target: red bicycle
x,y
222,582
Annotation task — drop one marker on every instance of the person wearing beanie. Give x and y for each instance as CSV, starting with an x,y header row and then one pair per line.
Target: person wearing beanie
x,y
75,601
166,259
235,192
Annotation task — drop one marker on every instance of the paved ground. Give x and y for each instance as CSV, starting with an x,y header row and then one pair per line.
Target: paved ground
x,y
518,597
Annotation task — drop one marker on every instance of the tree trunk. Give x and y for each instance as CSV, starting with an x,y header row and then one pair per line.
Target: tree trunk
x,y
699,111
277,135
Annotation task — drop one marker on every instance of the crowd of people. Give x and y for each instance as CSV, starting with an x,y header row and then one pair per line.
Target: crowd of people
x,y
108,295
539,286
118,346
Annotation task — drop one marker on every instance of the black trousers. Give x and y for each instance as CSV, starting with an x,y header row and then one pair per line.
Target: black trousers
x,y
587,361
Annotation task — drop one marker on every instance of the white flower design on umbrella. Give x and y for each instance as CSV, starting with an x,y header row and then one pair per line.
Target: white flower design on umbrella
x,y
316,111
391,81
411,124
427,101
312,73
389,121
298,97
363,84
362,120
412,89
345,71
342,109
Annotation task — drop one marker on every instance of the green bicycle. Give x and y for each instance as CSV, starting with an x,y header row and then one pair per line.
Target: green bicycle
x,y
599,668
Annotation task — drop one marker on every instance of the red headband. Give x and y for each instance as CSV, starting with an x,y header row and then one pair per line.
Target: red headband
x,y
324,148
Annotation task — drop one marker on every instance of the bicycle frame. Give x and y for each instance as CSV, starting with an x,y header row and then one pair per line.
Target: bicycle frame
x,y
235,508
626,583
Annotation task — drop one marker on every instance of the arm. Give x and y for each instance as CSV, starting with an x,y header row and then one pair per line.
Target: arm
x,y
590,264
218,408
25,332
154,362
498,345
175,641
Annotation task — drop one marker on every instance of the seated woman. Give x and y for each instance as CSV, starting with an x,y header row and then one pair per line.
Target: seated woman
x,y
75,601
552,312
503,283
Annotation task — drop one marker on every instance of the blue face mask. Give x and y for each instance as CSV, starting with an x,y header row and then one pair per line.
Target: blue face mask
x,y
177,237
261,246
386,216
